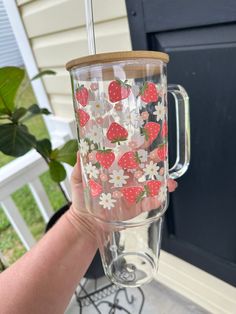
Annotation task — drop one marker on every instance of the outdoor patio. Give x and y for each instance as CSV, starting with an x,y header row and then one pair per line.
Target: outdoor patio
x,y
158,299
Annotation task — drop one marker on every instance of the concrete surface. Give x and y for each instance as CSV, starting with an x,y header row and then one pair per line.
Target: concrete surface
x,y
158,300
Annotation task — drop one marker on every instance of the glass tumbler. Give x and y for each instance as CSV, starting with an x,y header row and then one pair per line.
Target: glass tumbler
x,y
120,103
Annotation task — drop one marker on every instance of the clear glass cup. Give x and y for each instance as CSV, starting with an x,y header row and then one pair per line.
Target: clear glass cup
x,y
120,102
130,255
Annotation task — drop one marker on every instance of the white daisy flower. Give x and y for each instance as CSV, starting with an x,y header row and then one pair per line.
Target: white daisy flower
x,y
160,111
151,170
118,178
97,108
142,154
95,134
91,170
83,147
162,193
106,201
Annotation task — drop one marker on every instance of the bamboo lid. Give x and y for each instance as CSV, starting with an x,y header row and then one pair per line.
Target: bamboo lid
x,y
116,56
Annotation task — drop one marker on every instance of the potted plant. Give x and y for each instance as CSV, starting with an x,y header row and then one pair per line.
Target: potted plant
x,y
16,139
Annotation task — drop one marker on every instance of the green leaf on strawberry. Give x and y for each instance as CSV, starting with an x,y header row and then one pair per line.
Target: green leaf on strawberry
x,y
140,197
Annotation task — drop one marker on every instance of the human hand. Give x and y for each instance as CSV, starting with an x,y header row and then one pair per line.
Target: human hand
x,y
121,211
77,211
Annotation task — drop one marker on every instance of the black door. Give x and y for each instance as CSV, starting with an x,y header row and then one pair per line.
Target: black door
x,y
200,37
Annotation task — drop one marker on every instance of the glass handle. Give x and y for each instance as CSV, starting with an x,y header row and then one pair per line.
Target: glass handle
x,y
182,131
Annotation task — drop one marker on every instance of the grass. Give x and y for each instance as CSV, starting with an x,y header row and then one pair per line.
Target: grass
x,y
10,245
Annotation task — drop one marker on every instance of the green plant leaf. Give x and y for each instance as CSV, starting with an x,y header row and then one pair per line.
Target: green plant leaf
x,y
10,80
15,139
67,153
57,171
44,147
18,113
3,111
35,109
42,73
54,154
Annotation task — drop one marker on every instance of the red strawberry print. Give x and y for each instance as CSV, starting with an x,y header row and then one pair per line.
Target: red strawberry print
x,y
152,188
162,152
149,92
164,131
82,95
105,158
133,194
151,131
96,189
129,160
117,133
83,117
118,90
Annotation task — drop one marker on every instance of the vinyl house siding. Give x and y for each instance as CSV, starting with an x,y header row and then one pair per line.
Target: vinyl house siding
x,y
57,34
9,51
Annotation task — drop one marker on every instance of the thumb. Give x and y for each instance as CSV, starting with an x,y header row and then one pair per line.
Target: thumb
x,y
76,173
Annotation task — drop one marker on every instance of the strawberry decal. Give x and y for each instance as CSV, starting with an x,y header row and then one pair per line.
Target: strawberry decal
x,y
129,160
164,131
118,90
96,189
152,188
105,158
116,133
82,95
148,92
83,117
133,194
151,131
162,152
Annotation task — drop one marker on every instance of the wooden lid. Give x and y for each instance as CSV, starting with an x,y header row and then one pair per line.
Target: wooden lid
x,y
116,56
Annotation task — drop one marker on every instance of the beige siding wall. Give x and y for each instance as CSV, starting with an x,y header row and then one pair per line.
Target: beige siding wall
x,y
56,29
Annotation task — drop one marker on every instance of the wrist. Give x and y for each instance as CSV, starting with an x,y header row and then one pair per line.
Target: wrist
x,y
82,223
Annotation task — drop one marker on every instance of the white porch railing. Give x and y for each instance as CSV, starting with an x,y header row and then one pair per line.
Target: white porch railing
x,y
26,170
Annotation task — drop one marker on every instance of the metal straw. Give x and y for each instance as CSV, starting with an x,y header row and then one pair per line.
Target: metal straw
x,y
90,26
